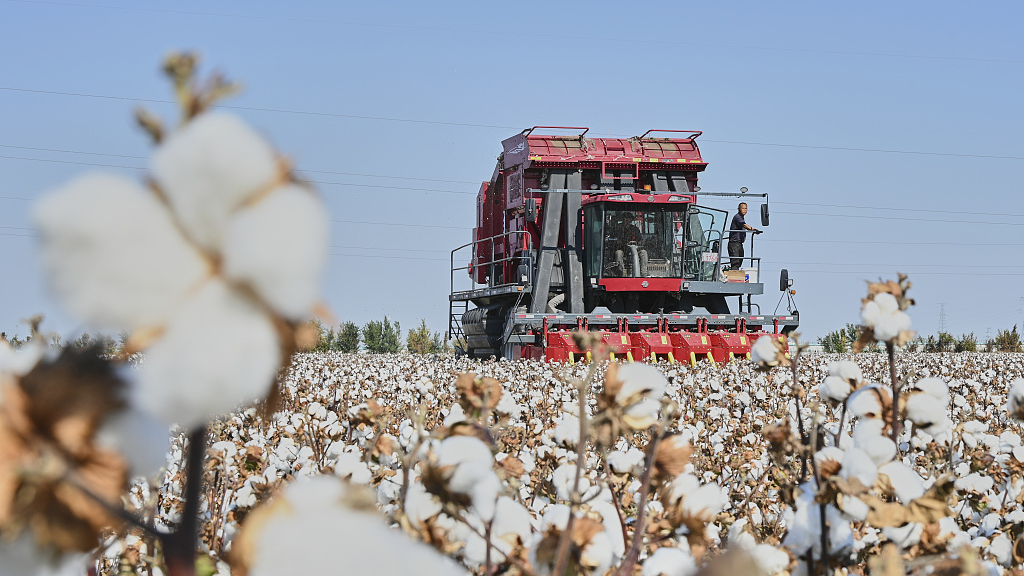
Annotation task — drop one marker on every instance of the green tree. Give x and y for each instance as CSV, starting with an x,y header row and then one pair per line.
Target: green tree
x,y
944,343
421,341
348,337
1007,340
841,340
382,337
966,343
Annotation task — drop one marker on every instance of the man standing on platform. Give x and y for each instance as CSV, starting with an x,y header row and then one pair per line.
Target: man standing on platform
x,y
738,235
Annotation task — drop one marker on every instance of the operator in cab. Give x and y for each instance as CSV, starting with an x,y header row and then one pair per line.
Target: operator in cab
x,y
738,235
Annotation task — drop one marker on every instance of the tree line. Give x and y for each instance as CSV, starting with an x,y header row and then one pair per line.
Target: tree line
x,y
1008,340
378,337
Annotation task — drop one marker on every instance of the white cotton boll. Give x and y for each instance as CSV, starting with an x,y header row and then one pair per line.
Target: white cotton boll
x,y
219,351
925,410
763,351
887,303
846,370
279,247
834,389
904,536
563,478
556,516
455,415
646,380
1002,549
484,495
669,562
934,387
879,448
682,486
889,326
906,483
567,431
706,501
990,523
1015,398
870,313
419,504
864,403
142,440
512,523
770,560
620,462
209,168
350,465
316,520
853,507
828,453
948,527
508,406
840,534
974,482
471,459
858,464
112,255
610,519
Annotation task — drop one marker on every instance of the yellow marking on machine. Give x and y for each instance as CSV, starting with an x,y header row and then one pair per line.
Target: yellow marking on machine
x,y
572,359
671,358
748,355
693,359
664,339
629,356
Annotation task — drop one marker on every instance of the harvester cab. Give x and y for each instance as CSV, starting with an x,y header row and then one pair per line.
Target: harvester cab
x,y
608,235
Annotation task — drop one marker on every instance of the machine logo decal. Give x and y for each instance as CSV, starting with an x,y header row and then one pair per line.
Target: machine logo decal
x,y
519,148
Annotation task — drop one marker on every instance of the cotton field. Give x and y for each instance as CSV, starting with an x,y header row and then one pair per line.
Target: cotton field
x,y
484,470
287,462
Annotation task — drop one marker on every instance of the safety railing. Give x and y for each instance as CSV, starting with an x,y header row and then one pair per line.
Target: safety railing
x,y
753,263
517,243
520,247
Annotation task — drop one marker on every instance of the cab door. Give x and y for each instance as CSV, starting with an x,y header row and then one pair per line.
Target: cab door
x,y
705,230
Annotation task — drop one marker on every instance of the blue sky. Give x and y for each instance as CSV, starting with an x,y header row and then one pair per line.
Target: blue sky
x,y
887,134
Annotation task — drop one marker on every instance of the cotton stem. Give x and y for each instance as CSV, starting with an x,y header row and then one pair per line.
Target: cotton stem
x,y
180,547
896,424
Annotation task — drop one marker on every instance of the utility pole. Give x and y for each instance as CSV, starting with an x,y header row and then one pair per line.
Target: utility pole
x,y
942,317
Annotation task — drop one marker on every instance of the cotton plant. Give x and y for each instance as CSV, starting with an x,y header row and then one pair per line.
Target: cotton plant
x,y
212,264
525,458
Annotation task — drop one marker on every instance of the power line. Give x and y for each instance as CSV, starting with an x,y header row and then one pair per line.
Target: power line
x,y
847,272
257,109
495,126
879,150
401,224
884,242
900,218
491,31
890,209
940,265
302,170
391,257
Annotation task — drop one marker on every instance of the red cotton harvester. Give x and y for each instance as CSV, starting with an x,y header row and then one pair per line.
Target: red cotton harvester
x,y
606,235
